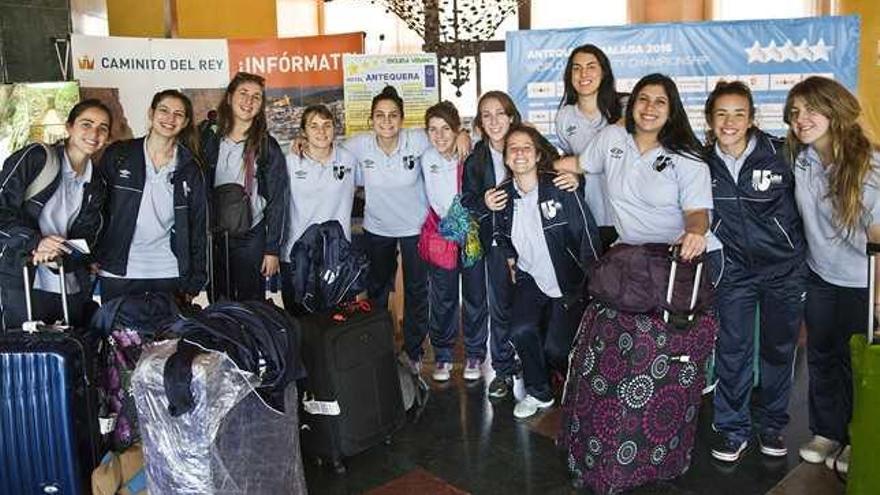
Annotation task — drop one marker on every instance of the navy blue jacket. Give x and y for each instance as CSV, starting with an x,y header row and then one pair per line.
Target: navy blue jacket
x,y
755,216
569,229
19,220
478,177
272,185
123,169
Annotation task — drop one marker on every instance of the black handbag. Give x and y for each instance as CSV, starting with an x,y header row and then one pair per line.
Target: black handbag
x,y
232,209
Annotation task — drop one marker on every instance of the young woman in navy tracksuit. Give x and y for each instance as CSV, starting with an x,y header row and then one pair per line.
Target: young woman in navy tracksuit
x,y
155,235
837,188
441,171
756,219
483,172
589,104
548,238
68,207
241,151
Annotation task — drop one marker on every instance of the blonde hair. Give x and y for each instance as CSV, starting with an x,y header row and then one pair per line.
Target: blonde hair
x,y
851,148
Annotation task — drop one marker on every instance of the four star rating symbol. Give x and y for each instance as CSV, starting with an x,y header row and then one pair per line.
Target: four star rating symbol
x,y
789,52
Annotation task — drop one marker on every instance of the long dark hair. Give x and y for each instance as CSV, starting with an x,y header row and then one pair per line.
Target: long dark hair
x,y
547,153
188,136
724,88
607,99
259,129
676,136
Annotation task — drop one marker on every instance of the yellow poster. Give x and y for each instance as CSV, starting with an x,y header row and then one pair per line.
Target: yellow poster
x,y
413,75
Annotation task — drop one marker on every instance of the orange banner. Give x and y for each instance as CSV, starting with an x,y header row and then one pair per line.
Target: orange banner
x,y
314,61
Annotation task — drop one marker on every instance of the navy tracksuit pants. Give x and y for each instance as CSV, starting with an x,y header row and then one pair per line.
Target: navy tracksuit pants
x,y
382,253
498,288
443,293
833,315
542,330
780,293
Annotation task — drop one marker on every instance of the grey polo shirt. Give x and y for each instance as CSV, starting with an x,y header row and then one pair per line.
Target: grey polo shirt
x,y
575,132
734,165
319,193
396,203
647,204
230,170
150,255
527,236
56,218
837,258
441,180
498,165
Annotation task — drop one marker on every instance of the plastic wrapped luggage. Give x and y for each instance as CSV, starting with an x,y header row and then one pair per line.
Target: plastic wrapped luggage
x,y
351,396
49,435
864,432
632,396
230,443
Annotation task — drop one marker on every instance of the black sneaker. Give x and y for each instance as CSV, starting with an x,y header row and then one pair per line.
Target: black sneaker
x,y
500,386
772,444
727,449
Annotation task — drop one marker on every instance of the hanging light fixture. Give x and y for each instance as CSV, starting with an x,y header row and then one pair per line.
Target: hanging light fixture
x,y
463,27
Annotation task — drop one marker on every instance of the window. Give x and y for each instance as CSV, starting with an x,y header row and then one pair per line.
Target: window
x,y
556,14
729,10
386,33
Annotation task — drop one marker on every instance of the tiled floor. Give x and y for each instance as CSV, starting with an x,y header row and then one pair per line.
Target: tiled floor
x,y
467,444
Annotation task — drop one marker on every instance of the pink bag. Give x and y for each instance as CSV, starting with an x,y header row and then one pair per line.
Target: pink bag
x,y
433,248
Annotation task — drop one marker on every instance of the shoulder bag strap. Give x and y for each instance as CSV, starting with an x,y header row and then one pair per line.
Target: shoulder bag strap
x,y
47,174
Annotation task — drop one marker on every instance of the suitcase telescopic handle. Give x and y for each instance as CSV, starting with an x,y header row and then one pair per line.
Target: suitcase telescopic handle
x,y
873,249
670,286
32,326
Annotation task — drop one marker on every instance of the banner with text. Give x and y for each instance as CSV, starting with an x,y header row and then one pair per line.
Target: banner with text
x,y
413,75
770,56
126,72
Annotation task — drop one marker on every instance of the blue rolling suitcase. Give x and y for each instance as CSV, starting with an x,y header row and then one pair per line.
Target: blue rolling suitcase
x,y
48,420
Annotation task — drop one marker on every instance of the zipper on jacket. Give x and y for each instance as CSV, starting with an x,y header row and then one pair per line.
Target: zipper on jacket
x,y
787,238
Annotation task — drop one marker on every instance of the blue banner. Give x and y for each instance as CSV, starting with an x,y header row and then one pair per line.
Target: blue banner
x,y
770,56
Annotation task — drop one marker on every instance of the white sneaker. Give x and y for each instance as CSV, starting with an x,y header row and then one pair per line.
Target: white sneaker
x,y
529,406
442,371
840,462
818,449
472,369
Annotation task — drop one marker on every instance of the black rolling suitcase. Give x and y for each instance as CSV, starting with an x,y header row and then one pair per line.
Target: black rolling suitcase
x,y
351,397
49,438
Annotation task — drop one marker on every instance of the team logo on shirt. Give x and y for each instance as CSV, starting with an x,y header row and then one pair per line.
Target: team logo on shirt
x,y
801,164
616,153
570,130
763,179
663,161
369,163
434,168
125,174
301,174
410,161
340,170
549,208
